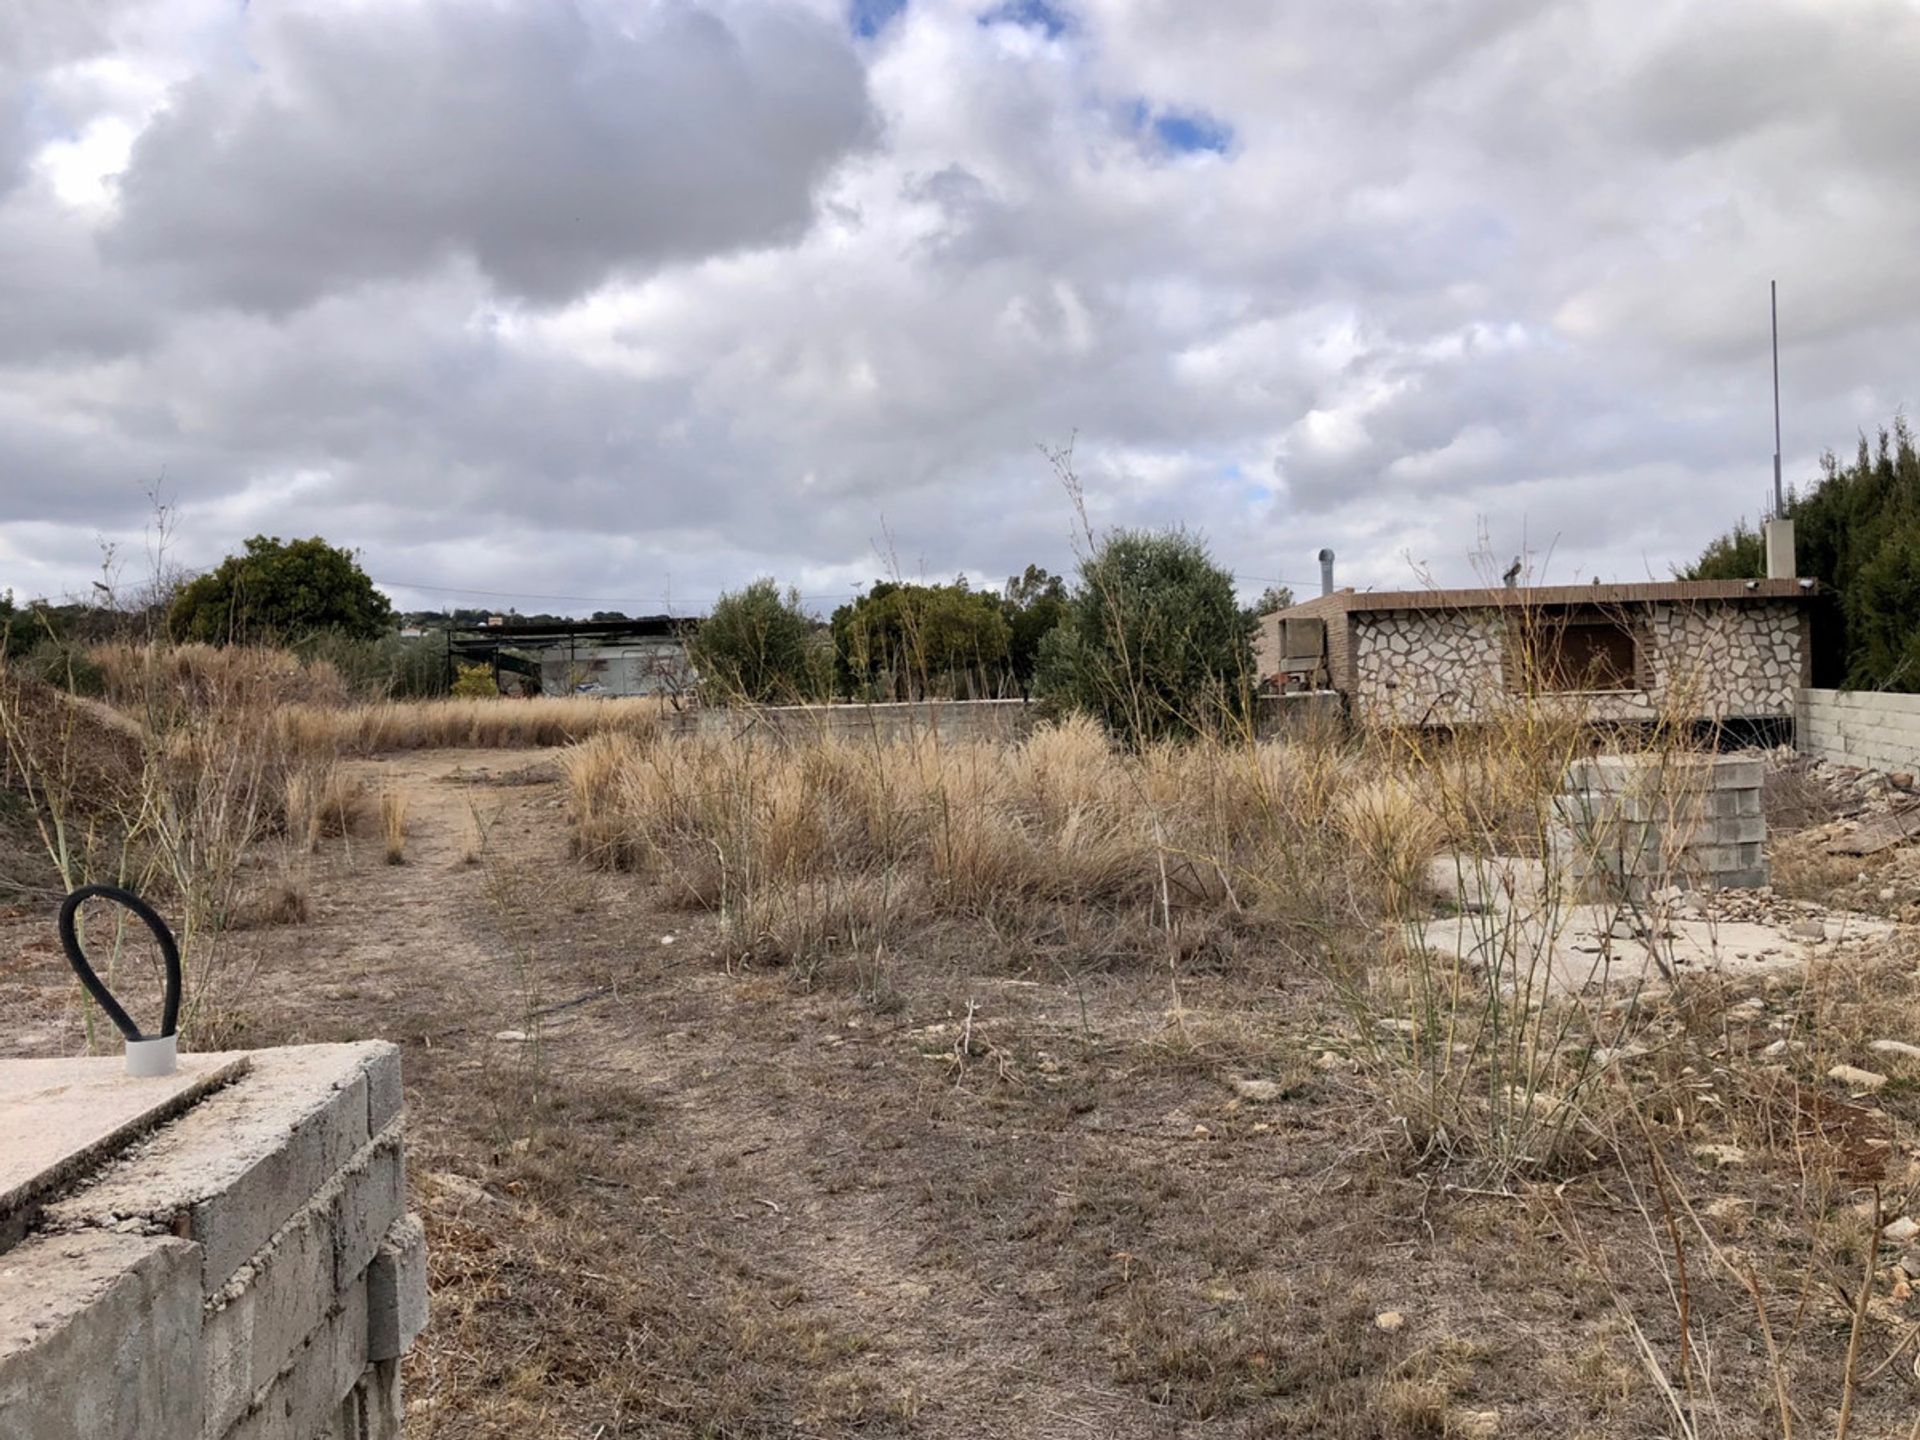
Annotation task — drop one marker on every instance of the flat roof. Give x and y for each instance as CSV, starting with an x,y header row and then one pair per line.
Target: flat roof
x,y
639,625
1348,602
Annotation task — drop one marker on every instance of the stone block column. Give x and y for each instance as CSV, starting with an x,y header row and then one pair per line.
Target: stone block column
x,y
1632,824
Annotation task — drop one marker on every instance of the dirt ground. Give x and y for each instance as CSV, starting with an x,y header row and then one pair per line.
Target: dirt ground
x,y
950,1193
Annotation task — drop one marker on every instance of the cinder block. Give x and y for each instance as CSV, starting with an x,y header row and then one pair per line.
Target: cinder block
x,y
100,1338
1734,830
385,1100
367,1199
1711,859
307,1394
280,1296
397,1291
1736,772
382,1405
1749,879
265,1312
236,1167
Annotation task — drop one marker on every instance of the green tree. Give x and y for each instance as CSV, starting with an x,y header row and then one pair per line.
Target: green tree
x,y
1740,554
1274,597
1857,531
475,682
908,642
758,645
1882,608
1153,643
1033,603
280,591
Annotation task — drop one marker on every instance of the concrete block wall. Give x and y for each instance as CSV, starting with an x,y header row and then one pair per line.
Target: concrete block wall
x,y
1868,728
1634,823
952,720
961,721
248,1270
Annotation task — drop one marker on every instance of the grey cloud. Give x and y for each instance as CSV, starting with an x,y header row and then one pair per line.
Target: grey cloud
x,y
1522,247
555,144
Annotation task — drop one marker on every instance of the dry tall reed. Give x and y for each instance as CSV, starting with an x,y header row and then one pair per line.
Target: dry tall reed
x,y
308,729
393,824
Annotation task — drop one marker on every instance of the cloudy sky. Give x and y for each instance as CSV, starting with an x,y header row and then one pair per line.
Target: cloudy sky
x,y
618,303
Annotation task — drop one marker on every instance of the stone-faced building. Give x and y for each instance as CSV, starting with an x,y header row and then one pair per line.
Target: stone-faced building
x,y
1695,649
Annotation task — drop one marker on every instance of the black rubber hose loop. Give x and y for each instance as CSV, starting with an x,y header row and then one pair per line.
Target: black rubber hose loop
x,y
76,957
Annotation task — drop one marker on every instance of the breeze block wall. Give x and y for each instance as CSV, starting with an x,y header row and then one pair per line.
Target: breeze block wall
x,y
247,1270
957,721
1870,729
1633,824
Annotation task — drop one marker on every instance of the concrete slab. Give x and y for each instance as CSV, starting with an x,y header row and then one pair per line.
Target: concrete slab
x,y
233,1169
1513,928
62,1118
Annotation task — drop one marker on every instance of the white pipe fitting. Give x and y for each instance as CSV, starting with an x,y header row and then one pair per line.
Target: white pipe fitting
x,y
149,1058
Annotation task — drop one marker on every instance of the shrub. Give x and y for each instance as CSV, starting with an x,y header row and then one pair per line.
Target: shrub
x,y
387,665
280,590
1153,641
757,646
475,682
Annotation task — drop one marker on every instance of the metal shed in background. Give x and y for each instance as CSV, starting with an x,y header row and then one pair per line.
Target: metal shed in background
x,y
643,656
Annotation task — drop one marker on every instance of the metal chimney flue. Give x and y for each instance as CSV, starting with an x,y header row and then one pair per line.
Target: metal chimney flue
x,y
1326,572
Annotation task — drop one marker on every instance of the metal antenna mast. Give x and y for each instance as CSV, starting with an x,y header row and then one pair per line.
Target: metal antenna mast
x,y
1779,500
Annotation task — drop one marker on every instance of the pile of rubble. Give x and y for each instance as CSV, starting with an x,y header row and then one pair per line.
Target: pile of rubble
x,y
1865,792
1801,920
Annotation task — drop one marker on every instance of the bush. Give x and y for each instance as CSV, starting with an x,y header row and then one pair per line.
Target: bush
x,y
1153,641
475,682
911,642
391,666
758,646
280,590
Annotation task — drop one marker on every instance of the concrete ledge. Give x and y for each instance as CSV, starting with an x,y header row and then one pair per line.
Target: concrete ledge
x,y
100,1338
236,1167
245,1270
61,1118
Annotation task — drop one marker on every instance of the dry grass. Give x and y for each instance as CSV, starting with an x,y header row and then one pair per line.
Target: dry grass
x,y
838,837
393,824
309,729
282,899
1059,1079
161,681
322,801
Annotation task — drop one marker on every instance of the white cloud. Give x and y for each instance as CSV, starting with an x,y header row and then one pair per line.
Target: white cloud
x,y
644,301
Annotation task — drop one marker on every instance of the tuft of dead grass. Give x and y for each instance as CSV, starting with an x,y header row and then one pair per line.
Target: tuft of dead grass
x,y
393,824
320,801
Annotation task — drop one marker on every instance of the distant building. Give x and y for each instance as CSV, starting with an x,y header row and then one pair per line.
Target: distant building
x,y
643,656
1706,649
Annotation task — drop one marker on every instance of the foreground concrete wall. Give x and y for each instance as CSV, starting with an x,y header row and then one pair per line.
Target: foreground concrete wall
x,y
957,720
962,721
1868,728
248,1270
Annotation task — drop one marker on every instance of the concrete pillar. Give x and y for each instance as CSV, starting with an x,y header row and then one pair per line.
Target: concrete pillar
x,y
1781,564
1634,824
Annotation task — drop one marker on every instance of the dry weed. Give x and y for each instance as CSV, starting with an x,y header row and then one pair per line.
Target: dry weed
x,y
319,729
393,824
